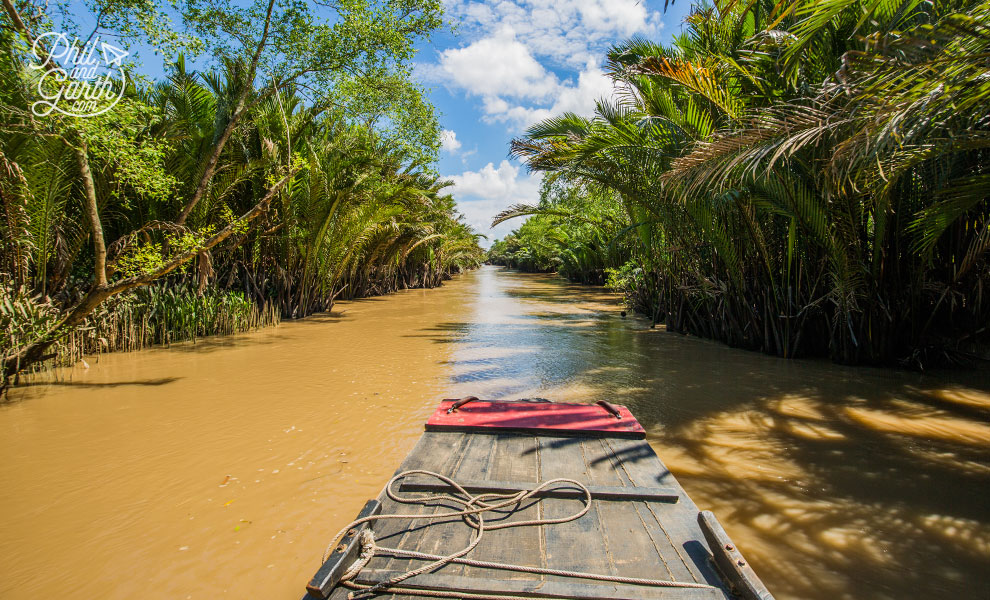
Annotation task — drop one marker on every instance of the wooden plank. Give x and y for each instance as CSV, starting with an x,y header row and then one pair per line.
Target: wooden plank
x,y
730,561
577,545
640,463
541,589
342,556
515,459
669,554
598,492
452,534
607,540
633,551
440,452
435,452
677,522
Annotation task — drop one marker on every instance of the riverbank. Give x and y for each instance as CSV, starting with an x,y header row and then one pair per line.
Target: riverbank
x,y
145,318
221,468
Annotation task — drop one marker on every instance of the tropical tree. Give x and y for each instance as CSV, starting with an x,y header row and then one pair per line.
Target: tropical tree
x,y
577,230
806,177
294,168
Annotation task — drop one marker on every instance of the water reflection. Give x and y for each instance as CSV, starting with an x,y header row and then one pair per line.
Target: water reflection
x,y
837,482
220,468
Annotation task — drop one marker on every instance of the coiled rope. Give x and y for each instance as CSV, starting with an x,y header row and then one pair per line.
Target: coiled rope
x,y
474,509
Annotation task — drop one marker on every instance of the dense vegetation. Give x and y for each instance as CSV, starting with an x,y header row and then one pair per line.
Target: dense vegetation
x,y
293,172
577,233
807,177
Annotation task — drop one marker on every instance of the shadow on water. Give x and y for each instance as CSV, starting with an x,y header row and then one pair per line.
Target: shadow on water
x,y
106,384
443,333
837,482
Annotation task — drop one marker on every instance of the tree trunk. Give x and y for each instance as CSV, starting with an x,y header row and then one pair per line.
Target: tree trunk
x,y
241,107
93,212
211,161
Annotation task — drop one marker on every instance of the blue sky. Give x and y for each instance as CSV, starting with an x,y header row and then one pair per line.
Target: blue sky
x,y
511,63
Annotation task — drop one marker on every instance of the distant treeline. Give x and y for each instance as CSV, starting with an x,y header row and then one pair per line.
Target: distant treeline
x,y
802,178
577,233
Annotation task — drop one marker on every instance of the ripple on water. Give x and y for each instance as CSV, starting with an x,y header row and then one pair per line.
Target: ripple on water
x,y
221,468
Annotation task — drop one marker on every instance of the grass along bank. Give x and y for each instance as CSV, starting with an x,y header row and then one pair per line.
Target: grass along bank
x,y
146,317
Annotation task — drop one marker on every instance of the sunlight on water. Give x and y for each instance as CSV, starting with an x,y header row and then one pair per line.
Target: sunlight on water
x,y
220,469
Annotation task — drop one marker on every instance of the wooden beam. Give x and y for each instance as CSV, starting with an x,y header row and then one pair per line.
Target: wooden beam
x,y
573,589
598,492
342,556
730,562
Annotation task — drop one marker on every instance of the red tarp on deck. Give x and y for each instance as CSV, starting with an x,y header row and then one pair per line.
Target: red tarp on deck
x,y
537,417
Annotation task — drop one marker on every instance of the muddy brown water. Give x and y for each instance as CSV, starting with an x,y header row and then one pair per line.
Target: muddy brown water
x,y
219,469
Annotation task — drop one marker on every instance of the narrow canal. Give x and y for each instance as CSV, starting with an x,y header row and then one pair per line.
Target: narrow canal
x,y
220,469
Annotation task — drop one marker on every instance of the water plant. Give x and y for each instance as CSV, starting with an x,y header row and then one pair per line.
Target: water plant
x,y
149,316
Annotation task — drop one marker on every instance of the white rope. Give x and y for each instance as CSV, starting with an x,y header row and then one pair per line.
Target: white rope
x,y
474,508
367,553
541,570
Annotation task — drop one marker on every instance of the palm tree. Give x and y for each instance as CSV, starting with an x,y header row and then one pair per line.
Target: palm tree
x,y
807,177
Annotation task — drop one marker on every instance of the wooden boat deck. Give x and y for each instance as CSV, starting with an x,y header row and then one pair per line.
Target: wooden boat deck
x,y
641,523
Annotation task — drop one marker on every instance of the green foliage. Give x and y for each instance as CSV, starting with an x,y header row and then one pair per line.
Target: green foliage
x,y
294,171
804,177
117,137
22,318
141,259
576,230
176,313
630,281
351,57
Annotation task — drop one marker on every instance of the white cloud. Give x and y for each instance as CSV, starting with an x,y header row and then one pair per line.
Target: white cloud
x,y
508,63
568,31
493,182
468,154
518,117
592,84
524,61
498,65
488,191
448,141
623,17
